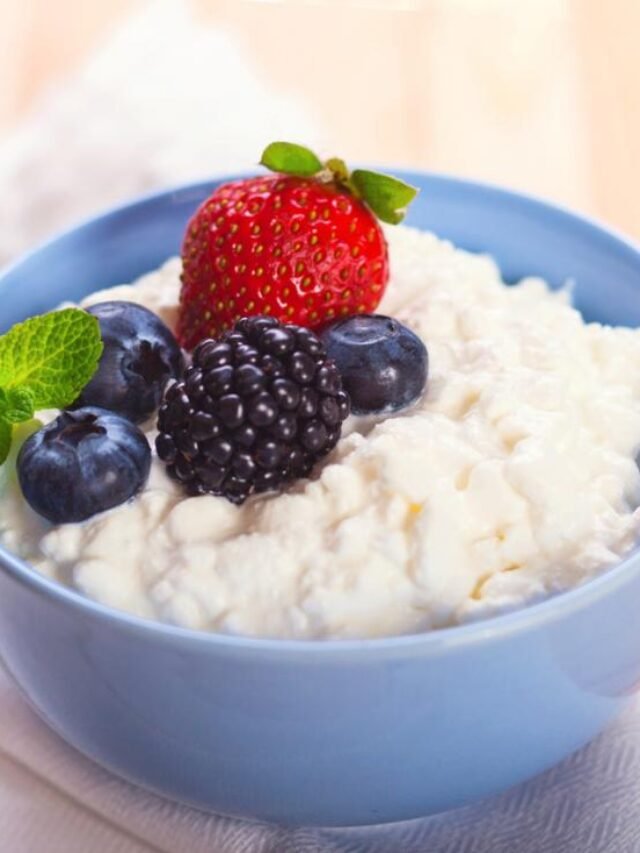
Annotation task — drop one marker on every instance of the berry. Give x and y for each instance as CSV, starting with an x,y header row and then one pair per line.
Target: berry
x,y
140,356
84,462
302,251
303,247
267,420
384,365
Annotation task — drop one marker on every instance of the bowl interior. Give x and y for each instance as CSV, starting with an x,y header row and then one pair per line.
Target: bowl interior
x,y
526,237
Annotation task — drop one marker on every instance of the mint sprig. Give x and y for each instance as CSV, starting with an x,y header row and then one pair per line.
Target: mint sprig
x,y
16,405
386,196
5,439
45,362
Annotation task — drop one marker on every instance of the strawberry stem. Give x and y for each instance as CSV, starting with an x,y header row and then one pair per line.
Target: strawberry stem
x,y
386,196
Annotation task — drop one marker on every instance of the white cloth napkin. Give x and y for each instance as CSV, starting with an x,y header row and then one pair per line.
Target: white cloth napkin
x,y
166,101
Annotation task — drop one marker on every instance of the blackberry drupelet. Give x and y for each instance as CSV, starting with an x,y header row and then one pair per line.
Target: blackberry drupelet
x,y
257,408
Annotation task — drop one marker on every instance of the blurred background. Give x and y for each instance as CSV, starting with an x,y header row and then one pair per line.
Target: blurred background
x,y
104,99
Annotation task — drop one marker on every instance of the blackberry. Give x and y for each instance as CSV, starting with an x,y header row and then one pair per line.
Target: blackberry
x,y
257,408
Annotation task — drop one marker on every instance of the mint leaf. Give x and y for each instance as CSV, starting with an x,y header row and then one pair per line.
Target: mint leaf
x,y
5,440
290,159
387,197
53,356
45,363
16,405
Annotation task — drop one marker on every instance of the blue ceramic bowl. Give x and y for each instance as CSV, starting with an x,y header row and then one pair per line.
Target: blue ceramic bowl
x,y
329,733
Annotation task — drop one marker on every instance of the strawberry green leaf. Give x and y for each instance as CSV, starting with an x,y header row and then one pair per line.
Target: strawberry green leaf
x,y
5,439
53,356
16,405
387,197
290,159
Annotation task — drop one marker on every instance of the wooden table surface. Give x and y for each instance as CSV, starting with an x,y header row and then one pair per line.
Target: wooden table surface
x,y
542,95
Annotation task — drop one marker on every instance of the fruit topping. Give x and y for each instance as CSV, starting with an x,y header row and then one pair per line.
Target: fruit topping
x,y
257,408
82,463
44,363
383,364
140,356
303,246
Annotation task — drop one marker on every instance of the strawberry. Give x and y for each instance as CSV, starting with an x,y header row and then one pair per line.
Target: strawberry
x,y
303,245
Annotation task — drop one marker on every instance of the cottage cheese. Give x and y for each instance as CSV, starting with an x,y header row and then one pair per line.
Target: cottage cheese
x,y
513,479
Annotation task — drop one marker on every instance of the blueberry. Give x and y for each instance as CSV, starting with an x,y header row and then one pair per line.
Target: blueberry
x,y
84,462
384,365
140,356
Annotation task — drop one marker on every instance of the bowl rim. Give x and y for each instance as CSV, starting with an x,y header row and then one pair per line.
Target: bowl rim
x,y
522,619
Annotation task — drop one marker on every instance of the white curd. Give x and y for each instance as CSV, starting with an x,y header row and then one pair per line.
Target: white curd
x,y
512,480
